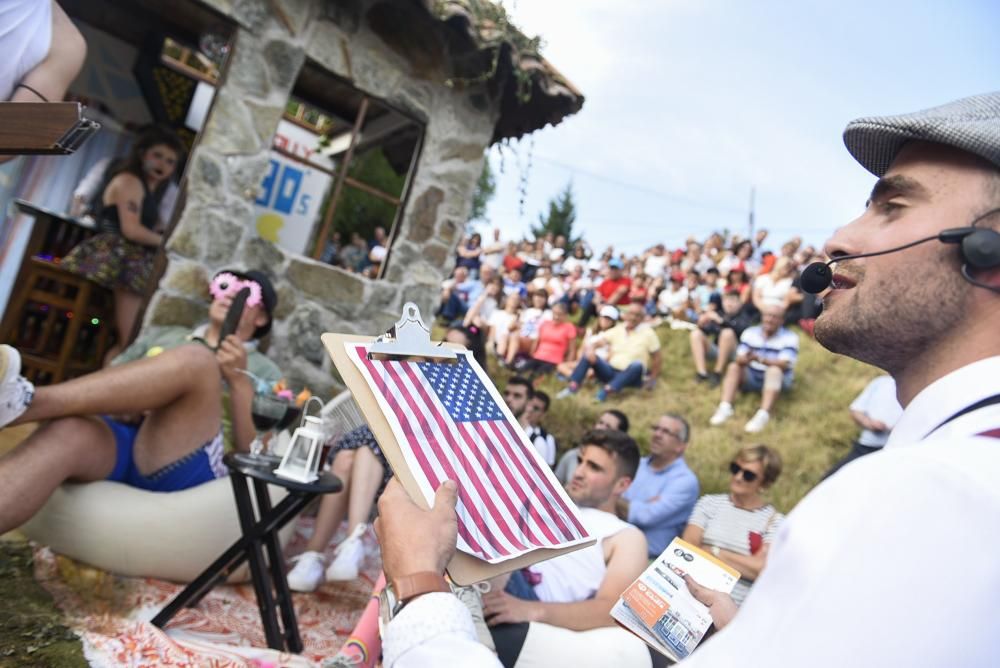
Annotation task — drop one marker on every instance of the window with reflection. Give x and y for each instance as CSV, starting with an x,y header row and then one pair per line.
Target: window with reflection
x,y
338,174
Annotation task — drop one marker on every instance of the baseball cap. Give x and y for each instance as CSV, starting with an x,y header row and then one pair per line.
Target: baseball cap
x,y
615,263
595,265
609,311
267,295
677,276
971,124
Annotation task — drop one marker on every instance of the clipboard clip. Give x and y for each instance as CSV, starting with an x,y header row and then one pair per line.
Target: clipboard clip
x,y
410,337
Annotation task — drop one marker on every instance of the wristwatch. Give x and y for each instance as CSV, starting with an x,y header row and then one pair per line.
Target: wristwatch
x,y
714,550
400,591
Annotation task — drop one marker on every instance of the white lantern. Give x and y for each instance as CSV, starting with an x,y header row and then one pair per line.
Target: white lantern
x,y
301,460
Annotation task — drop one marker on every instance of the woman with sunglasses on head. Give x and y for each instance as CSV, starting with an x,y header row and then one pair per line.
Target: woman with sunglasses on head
x,y
739,527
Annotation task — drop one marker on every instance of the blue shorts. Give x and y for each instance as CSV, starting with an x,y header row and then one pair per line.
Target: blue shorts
x,y
753,380
195,468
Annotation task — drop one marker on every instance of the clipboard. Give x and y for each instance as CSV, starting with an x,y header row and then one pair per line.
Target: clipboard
x,y
464,569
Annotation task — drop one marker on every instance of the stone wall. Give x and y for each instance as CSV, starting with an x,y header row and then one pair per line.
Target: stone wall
x,y
216,228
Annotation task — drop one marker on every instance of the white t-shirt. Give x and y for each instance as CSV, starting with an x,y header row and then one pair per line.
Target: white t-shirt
x,y
878,401
891,562
577,575
499,323
25,39
670,300
656,265
772,291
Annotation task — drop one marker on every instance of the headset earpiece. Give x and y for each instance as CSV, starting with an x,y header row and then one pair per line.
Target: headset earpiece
x,y
981,249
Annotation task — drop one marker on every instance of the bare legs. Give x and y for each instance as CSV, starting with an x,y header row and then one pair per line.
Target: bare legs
x,y
700,345
361,473
127,306
178,390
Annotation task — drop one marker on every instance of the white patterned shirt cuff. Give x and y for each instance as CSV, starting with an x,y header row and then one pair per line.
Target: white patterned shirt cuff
x,y
434,627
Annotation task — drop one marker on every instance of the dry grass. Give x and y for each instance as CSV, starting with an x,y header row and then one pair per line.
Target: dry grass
x,y
810,426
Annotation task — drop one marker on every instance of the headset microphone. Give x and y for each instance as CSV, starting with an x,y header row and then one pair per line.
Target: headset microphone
x,y
980,248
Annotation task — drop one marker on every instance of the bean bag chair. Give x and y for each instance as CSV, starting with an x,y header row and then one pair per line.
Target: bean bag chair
x,y
546,646
133,532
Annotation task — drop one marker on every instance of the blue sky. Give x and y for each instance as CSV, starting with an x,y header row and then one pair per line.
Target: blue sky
x,y
690,103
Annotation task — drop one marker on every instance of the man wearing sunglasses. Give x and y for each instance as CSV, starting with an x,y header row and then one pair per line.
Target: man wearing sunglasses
x,y
664,491
160,418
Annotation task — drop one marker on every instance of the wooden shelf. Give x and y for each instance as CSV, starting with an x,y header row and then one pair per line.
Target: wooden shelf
x,y
32,128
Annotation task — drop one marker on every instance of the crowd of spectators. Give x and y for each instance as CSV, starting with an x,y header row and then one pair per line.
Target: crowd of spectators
x,y
357,254
548,306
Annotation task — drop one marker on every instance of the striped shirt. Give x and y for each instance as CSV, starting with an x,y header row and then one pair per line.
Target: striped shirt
x,y
783,346
729,528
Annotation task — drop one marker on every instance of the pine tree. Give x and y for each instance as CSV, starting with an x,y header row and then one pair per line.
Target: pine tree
x,y
561,216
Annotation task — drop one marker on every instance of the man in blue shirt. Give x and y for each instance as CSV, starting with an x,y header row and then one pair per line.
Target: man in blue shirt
x,y
663,493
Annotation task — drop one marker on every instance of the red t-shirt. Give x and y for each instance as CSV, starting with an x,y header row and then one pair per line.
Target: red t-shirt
x,y
554,340
512,262
609,286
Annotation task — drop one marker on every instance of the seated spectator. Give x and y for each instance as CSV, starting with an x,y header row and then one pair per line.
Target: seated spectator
x,y
555,344
765,363
517,394
500,325
777,287
639,291
612,290
739,527
613,420
634,349
523,339
664,489
741,253
655,262
738,280
699,295
593,343
513,285
511,260
488,302
179,398
577,258
876,411
469,254
457,294
354,256
695,259
532,419
726,327
577,590
672,302
359,463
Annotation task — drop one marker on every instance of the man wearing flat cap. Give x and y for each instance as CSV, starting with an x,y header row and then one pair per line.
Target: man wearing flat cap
x,y
891,561
160,418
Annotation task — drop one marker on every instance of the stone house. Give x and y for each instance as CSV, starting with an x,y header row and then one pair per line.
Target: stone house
x,y
453,66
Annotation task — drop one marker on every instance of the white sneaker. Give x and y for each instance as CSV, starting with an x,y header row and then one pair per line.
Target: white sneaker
x,y
348,557
722,413
308,572
472,597
16,392
757,422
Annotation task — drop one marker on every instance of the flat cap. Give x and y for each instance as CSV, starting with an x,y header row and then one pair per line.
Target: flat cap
x,y
971,124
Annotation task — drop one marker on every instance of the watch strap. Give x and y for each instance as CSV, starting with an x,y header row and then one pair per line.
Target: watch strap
x,y
410,586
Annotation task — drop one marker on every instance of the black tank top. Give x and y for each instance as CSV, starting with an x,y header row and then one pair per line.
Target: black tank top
x,y
107,215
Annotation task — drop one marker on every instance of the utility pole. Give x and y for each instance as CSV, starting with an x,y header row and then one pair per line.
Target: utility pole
x,y
752,193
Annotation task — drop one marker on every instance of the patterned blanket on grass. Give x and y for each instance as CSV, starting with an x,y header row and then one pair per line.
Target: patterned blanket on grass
x,y
111,614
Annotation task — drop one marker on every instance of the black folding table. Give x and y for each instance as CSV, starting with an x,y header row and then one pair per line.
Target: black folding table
x,y
260,532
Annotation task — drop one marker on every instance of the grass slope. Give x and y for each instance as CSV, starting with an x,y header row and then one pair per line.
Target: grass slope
x,y
810,426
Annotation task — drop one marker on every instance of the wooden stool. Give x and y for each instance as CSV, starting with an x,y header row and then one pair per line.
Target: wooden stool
x,y
64,303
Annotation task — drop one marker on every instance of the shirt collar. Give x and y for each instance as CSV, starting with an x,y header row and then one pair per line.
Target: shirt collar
x,y
944,397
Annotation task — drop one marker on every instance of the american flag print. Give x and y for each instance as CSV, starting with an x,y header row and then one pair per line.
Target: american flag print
x,y
452,424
